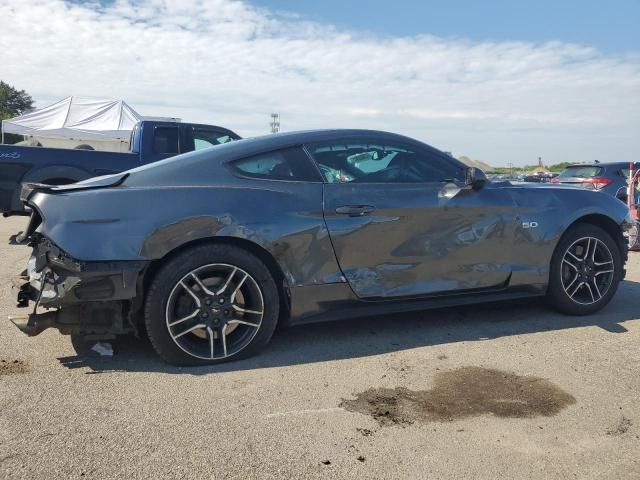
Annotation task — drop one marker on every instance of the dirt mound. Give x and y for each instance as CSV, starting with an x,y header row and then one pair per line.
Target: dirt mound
x,y
475,163
465,392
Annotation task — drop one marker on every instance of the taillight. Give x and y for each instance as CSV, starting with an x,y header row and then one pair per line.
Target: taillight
x,y
596,183
555,180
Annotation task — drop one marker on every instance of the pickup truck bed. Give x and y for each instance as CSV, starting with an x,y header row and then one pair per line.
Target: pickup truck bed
x,y
34,164
151,141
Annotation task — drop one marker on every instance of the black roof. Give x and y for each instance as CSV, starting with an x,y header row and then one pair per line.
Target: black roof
x,y
288,139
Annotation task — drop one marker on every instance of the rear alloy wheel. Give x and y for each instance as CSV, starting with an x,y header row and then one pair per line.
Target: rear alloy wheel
x,y
585,271
218,303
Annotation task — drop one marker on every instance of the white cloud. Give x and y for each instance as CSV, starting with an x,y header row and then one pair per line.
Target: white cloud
x,y
229,63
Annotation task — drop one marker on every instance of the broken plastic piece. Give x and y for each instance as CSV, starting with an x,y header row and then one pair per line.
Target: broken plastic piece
x,y
103,349
34,324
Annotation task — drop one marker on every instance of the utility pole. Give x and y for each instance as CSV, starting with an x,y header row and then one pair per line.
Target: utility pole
x,y
275,122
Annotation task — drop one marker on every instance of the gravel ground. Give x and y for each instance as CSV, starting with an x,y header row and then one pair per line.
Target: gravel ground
x,y
549,397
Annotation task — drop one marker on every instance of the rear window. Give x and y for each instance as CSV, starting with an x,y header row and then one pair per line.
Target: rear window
x,y
580,171
286,164
206,138
165,140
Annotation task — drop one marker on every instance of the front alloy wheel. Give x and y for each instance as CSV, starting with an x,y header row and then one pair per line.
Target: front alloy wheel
x,y
586,269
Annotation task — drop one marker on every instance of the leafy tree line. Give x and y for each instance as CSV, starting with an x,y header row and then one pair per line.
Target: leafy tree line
x,y
13,102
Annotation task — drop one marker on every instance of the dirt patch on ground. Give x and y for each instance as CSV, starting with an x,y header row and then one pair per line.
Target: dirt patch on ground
x,y
12,367
465,392
621,427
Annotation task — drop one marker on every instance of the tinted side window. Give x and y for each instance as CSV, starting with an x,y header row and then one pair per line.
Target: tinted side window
x,y
204,138
286,164
165,140
375,161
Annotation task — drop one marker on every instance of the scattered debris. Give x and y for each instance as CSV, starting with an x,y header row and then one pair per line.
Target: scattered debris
x,y
104,349
13,367
326,462
460,393
361,458
622,427
442,357
365,432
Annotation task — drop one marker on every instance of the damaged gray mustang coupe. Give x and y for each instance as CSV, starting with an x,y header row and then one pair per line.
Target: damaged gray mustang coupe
x,y
210,250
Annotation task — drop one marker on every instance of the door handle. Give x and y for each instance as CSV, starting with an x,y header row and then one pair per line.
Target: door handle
x,y
355,210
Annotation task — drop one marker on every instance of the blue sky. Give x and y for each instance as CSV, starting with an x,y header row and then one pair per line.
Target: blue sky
x,y
502,82
609,25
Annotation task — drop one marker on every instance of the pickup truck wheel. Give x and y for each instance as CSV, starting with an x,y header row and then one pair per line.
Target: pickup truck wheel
x,y
211,304
586,269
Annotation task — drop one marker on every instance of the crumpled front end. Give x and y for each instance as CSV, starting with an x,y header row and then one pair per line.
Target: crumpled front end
x,y
94,299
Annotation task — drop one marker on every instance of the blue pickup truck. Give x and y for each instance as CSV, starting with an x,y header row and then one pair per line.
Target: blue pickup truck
x,y
150,141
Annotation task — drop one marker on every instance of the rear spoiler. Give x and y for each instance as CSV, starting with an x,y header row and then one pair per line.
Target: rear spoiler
x,y
29,188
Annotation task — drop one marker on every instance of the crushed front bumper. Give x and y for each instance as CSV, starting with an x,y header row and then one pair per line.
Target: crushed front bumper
x,y
93,299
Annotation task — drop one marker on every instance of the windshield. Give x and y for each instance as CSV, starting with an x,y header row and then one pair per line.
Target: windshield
x,y
581,171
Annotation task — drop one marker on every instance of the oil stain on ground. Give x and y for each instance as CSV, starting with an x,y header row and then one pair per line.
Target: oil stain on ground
x,y
12,367
461,393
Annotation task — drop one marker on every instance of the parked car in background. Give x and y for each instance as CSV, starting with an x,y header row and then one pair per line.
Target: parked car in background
x,y
210,250
151,141
539,177
533,179
609,178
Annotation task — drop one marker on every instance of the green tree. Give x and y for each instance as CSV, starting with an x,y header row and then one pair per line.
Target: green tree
x,y
559,167
13,102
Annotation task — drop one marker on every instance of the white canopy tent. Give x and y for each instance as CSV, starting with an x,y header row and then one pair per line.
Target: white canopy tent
x,y
77,117
85,120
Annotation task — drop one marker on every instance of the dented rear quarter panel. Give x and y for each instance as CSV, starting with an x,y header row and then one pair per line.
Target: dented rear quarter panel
x,y
284,218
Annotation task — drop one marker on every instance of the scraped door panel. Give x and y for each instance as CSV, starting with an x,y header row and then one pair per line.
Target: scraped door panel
x,y
410,240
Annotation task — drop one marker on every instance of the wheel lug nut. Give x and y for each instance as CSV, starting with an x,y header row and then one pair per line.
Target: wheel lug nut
x,y
221,301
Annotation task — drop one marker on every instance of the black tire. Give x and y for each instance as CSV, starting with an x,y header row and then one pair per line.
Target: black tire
x,y
558,297
167,281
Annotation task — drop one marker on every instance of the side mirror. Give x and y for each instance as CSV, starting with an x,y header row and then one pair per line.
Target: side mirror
x,y
474,178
